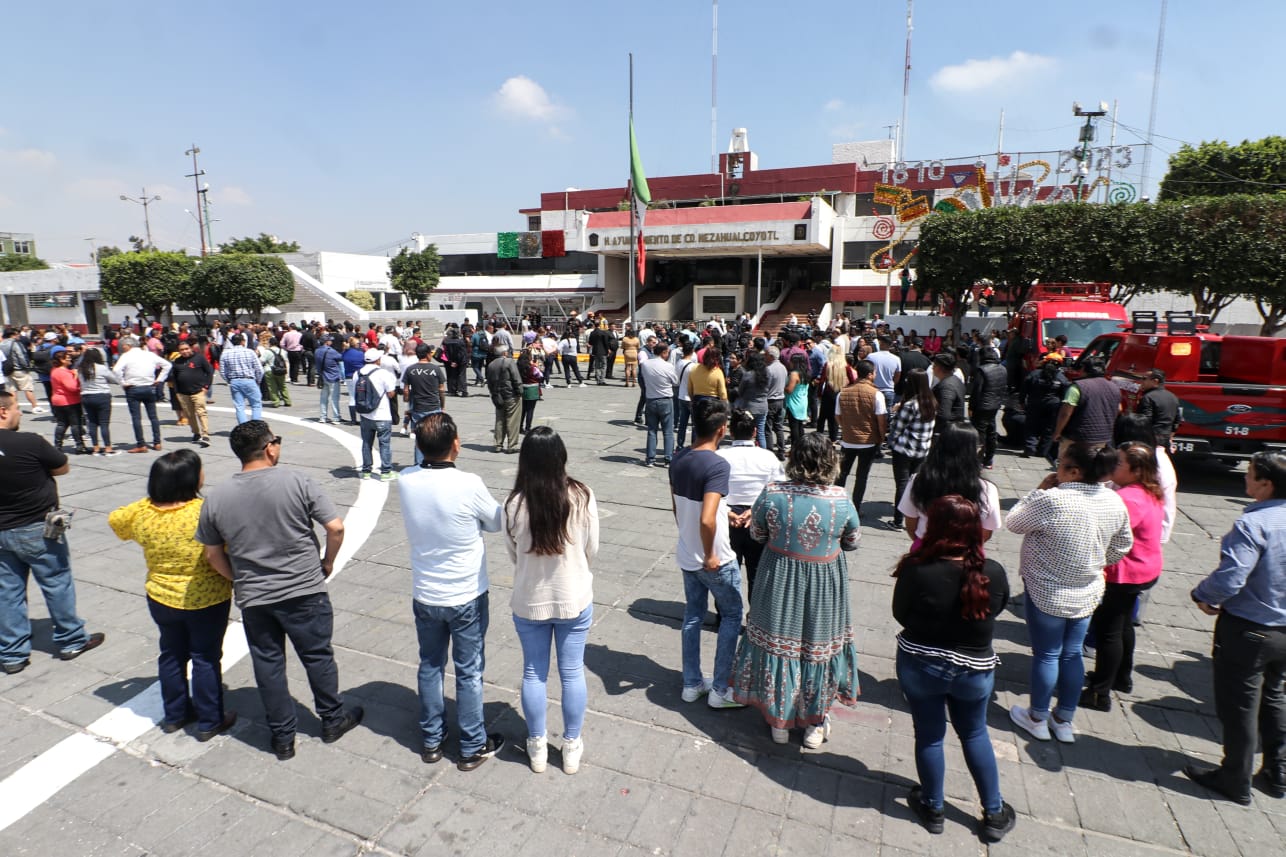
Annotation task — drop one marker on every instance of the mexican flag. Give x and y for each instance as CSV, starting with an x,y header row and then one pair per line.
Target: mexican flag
x,y
638,205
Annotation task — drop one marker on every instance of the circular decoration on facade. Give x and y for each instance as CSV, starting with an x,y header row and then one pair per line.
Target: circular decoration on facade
x,y
883,228
1122,192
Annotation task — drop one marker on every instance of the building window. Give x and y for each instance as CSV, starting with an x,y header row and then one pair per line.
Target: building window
x,y
392,301
718,304
22,246
533,223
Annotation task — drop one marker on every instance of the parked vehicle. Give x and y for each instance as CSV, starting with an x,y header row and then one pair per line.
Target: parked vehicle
x,y
1079,311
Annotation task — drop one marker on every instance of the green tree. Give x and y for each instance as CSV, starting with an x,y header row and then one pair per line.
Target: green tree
x,y
361,298
21,262
106,252
1218,169
149,280
234,282
415,275
139,245
265,243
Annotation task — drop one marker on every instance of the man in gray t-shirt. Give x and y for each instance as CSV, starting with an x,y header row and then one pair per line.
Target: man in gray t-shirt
x,y
258,532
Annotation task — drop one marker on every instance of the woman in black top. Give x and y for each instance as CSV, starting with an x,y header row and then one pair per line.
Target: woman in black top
x,y
946,599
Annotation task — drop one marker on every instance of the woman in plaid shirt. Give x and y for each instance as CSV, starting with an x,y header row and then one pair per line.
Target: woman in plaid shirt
x,y
910,432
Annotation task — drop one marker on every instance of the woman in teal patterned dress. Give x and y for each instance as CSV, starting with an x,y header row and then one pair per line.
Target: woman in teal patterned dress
x,y
797,657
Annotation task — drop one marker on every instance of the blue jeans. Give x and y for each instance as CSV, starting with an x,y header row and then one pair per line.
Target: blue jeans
x,y
682,413
25,549
568,637
465,628
725,585
138,398
330,393
372,429
761,430
1056,662
195,636
660,416
246,390
933,687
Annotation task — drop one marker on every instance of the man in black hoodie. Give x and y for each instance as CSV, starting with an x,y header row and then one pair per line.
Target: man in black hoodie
x,y
990,386
192,375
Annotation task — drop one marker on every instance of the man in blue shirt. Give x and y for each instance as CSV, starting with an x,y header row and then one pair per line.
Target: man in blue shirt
x,y
330,368
1248,594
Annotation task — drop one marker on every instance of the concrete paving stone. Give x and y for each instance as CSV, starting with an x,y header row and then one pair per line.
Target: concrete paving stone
x,y
1030,837
797,837
902,829
483,830
754,834
616,811
199,830
1129,812
1049,795
706,828
769,788
1250,829
418,822
1203,829
813,801
662,817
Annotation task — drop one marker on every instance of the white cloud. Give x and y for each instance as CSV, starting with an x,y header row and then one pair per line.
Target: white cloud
x,y
231,195
34,158
521,97
834,105
975,75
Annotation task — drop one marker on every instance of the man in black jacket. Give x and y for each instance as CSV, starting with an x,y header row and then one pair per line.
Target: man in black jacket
x,y
990,385
1160,406
598,348
949,391
455,358
192,375
613,347
1089,409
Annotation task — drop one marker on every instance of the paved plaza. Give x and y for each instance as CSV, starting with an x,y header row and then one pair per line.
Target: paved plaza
x,y
659,776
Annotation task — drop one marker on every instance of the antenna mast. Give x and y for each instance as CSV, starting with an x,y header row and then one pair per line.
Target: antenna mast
x,y
1152,113
714,92
906,85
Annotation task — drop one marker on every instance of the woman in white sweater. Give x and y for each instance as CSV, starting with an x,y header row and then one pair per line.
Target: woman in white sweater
x,y
551,532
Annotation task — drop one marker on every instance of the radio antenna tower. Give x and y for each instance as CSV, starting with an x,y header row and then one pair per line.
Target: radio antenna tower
x,y
906,85
1152,113
714,92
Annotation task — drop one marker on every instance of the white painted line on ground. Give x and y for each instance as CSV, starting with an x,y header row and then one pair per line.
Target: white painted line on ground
x,y
51,771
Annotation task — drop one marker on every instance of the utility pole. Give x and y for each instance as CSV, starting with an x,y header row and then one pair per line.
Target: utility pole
x,y
195,175
1083,152
1152,112
144,201
209,222
714,92
906,85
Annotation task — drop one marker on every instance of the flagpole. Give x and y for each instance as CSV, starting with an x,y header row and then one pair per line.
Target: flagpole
x,y
629,187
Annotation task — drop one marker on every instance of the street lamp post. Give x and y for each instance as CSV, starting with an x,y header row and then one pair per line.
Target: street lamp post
x,y
195,175
144,201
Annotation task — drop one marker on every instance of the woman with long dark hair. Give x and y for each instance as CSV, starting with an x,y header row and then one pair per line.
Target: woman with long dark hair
x,y
1139,487
1072,527
910,432
797,657
551,532
189,601
946,599
531,376
797,396
706,380
96,399
950,467
752,394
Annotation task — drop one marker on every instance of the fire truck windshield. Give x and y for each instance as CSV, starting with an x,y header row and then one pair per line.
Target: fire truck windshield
x,y
1079,331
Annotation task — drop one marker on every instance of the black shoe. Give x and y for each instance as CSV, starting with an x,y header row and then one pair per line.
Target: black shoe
x,y
169,727
996,824
15,667
1095,701
1124,685
94,641
930,818
229,718
1211,780
284,750
494,742
352,717
1274,786
429,755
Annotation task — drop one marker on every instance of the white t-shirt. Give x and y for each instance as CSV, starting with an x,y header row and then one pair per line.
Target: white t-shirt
x,y
750,469
446,511
383,381
549,344
991,518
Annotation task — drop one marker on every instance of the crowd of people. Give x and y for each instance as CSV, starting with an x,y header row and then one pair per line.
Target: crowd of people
x,y
758,490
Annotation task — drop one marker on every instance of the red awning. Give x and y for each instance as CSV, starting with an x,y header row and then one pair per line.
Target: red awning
x,y
705,214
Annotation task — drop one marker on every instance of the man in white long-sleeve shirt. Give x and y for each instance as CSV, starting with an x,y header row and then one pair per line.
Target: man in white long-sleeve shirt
x,y
142,373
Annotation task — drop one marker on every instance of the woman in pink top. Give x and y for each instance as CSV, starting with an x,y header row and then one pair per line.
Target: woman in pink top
x,y
64,397
1139,486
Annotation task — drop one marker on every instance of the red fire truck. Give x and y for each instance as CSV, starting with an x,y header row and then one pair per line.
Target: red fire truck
x,y
1079,311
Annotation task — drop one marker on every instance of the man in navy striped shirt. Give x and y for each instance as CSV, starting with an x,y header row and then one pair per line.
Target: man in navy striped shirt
x,y
241,368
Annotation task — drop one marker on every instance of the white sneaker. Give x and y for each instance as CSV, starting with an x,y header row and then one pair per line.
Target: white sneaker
x,y
39,410
780,736
815,735
723,700
1038,729
692,694
537,754
583,384
1064,731
572,750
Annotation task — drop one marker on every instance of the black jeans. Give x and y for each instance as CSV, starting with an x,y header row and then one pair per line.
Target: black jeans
x,y
864,457
295,359
194,636
456,381
571,363
1250,698
985,422
98,416
68,418
611,364
797,429
139,399
904,467
528,414
1114,635
748,551
826,419
309,361
775,430
309,622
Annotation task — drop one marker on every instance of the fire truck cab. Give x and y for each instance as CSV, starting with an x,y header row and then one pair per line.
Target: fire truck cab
x,y
1079,311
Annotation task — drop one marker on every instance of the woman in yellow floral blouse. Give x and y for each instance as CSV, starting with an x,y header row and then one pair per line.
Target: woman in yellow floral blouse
x,y
188,599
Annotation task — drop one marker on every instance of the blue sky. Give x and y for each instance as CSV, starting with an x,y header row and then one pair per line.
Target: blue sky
x,y
349,126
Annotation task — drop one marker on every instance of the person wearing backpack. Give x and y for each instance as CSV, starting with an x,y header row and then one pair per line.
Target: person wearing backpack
x,y
17,367
275,367
373,387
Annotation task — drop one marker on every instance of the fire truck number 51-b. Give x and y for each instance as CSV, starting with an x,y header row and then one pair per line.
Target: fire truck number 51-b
x,y
1237,430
